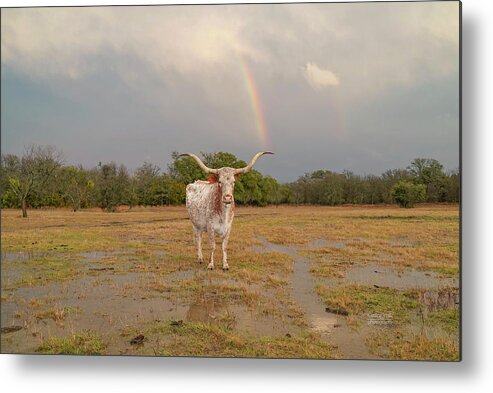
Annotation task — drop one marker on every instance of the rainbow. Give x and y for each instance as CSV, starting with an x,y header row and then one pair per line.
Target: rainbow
x,y
252,90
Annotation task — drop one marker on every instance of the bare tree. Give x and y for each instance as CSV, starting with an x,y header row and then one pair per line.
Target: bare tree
x,y
32,171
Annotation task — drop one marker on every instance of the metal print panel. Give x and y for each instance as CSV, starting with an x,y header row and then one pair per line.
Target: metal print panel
x,y
242,180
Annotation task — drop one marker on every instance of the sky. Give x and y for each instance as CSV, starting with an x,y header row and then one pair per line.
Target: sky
x,y
359,87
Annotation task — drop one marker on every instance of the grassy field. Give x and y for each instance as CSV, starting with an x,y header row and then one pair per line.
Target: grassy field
x,y
304,282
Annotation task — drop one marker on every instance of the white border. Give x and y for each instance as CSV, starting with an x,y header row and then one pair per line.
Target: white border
x,y
124,374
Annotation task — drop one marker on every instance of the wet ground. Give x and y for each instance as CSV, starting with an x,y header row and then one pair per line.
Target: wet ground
x,y
117,304
110,296
350,333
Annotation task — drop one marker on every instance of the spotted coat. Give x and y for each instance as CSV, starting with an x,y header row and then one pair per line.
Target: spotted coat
x,y
210,205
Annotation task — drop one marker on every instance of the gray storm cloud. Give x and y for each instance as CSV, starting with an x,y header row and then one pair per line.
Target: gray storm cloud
x,y
170,78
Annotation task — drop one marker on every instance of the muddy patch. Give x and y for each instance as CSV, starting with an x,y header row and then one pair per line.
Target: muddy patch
x,y
107,303
120,305
350,333
148,240
241,318
160,253
93,256
402,242
26,256
302,289
10,329
332,326
384,276
321,243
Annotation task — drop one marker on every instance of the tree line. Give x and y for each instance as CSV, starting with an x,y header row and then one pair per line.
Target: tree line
x,y
424,180
40,178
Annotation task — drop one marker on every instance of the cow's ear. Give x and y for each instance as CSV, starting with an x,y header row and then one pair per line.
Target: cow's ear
x,y
237,176
212,179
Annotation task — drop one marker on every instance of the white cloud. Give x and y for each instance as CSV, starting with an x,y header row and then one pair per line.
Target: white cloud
x,y
319,78
371,48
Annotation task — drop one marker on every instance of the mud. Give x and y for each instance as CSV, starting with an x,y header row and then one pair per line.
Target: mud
x,y
350,333
385,276
302,289
120,304
25,256
402,242
10,329
331,326
94,256
117,305
149,240
319,243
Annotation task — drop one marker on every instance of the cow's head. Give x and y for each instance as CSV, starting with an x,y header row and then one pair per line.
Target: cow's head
x,y
226,177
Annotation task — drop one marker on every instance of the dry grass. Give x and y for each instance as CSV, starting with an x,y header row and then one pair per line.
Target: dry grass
x,y
401,346
156,242
199,339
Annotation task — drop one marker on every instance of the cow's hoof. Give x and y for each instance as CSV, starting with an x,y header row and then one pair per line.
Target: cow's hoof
x,y
225,268
210,266
200,261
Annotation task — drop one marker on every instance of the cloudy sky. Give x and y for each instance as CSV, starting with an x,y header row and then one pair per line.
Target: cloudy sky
x,y
363,87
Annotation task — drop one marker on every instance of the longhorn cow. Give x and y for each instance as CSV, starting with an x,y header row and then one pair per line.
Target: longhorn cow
x,y
211,205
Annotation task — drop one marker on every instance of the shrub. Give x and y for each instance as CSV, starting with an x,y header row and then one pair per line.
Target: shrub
x,y
406,194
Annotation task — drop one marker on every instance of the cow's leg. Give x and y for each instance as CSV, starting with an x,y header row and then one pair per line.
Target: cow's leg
x,y
198,243
212,242
225,252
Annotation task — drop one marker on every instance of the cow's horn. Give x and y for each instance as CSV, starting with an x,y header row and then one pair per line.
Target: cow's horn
x,y
252,163
201,164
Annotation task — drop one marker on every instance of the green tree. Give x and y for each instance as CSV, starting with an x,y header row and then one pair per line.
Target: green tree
x,y
147,182
429,172
112,184
390,178
30,173
406,194
248,189
185,169
452,187
375,191
353,188
321,187
332,187
76,186
274,193
171,192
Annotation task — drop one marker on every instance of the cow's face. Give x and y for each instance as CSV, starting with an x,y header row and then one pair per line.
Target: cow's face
x,y
226,181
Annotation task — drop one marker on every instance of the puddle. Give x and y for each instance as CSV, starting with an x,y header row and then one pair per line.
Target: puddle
x,y
107,303
9,276
303,292
319,243
25,256
160,253
352,342
384,276
181,275
113,304
149,240
93,256
241,318
334,328
117,305
402,242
